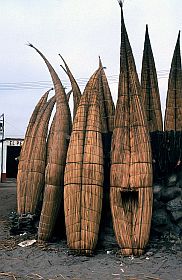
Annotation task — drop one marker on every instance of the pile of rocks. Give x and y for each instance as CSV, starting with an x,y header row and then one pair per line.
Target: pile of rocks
x,y
167,206
22,223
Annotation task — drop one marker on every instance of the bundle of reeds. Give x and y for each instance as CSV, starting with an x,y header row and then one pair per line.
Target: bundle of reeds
x,y
68,95
75,88
56,157
57,146
150,89
106,102
173,113
50,139
31,169
131,161
83,181
31,125
107,110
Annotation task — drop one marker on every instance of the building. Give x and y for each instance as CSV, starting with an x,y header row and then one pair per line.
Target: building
x,y
9,152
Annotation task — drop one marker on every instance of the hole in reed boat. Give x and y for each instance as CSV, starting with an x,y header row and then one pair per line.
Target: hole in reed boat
x,y
129,202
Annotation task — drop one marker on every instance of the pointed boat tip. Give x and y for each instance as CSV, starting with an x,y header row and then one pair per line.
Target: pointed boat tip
x,y
100,61
146,32
30,45
178,38
50,90
122,14
63,68
100,64
179,34
121,3
121,6
60,56
66,66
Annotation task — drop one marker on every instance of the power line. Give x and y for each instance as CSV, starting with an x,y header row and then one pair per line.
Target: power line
x,y
35,85
13,126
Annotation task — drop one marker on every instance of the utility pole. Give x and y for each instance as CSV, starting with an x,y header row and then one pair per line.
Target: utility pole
x,y
2,139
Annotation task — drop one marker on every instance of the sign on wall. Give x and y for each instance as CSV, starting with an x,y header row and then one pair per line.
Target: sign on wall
x,y
15,143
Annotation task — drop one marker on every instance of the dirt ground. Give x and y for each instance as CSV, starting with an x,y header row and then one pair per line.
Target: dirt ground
x,y
162,259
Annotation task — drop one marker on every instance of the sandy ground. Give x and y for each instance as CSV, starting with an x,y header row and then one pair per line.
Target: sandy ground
x,y
162,259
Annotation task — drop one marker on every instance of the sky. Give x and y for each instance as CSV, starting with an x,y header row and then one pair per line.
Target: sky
x,y
80,31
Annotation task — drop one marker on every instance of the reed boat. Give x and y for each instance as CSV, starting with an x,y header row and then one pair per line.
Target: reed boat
x,y
56,157
131,161
84,173
75,88
150,90
31,169
107,105
173,112
107,109
34,119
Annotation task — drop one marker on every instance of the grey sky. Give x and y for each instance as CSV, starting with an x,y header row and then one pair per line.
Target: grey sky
x,y
81,31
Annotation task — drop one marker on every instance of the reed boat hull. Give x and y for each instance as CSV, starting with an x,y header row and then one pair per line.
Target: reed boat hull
x,y
83,213
132,211
131,159
84,174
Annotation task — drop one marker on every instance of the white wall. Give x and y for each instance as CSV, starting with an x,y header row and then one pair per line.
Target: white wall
x,y
7,142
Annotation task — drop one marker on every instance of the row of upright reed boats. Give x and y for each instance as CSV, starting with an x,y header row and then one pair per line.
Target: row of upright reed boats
x,y
65,165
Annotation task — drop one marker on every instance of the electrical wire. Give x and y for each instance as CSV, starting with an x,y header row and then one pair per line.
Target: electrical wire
x,y
112,79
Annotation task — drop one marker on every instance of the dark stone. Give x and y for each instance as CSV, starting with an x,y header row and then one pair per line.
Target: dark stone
x,y
174,230
157,204
22,223
108,241
170,193
175,204
176,215
149,253
160,217
179,223
175,208
160,229
179,178
171,181
157,191
179,183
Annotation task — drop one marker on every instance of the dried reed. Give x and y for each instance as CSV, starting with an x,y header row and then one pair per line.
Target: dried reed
x,y
30,179
83,182
68,95
150,90
75,87
32,124
56,157
106,103
173,113
131,162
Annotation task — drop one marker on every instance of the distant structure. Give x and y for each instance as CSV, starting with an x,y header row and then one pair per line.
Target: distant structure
x,y
9,152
